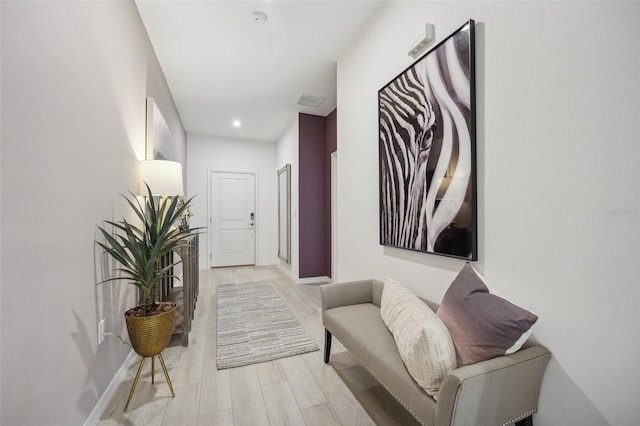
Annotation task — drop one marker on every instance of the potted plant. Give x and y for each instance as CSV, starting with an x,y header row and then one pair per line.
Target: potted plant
x,y
139,250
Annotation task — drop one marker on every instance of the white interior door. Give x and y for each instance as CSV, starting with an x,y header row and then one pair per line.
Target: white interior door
x,y
233,218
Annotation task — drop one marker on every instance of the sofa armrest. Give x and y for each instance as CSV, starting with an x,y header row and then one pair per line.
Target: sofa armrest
x,y
345,294
498,391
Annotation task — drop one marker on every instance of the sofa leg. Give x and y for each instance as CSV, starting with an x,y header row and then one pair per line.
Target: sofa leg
x,y
527,421
327,345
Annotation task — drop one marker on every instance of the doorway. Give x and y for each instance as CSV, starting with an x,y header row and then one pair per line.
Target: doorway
x,y
232,219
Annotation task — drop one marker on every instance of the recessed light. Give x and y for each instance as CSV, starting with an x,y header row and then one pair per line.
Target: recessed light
x,y
236,123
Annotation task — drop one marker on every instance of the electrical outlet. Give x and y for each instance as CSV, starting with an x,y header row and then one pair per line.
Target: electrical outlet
x,y
101,331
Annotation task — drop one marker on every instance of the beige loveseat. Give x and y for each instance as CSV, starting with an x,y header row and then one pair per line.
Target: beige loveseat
x,y
496,392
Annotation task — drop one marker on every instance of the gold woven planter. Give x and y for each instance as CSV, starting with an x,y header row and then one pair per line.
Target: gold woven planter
x,y
150,335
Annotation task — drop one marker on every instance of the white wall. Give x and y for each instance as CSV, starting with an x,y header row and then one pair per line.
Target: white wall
x,y
75,77
558,101
287,152
205,153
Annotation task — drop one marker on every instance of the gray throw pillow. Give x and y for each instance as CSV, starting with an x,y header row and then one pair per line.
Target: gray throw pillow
x,y
482,325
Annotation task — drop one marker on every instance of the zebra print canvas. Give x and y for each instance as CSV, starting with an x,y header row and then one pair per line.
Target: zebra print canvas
x,y
427,152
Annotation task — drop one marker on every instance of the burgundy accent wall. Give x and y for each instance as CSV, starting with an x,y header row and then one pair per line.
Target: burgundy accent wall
x,y
331,145
312,196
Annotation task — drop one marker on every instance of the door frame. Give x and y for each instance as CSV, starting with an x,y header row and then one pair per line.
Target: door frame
x,y
256,190
334,217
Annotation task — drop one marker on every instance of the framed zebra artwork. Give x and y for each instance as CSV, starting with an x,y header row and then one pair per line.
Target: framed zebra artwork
x,y
427,151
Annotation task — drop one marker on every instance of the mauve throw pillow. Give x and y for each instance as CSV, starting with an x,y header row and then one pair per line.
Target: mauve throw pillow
x,y
482,325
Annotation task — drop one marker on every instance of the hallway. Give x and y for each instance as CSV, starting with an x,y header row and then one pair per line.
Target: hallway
x,y
295,390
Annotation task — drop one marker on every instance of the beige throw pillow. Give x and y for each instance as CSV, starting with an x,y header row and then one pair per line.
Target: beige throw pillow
x,y
423,341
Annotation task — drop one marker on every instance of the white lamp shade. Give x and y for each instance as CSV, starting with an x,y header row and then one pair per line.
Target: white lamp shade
x,y
163,177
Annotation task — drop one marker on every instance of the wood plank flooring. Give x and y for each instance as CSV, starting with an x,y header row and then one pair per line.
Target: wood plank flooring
x,y
299,390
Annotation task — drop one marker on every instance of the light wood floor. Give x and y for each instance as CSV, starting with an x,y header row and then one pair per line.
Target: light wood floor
x,y
299,390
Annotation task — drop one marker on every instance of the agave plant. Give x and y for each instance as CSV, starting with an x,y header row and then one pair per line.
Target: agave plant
x,y
139,249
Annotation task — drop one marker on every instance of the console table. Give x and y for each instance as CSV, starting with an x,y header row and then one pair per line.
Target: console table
x,y
190,287
184,296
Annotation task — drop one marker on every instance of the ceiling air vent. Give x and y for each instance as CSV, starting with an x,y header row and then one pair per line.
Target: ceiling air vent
x,y
310,101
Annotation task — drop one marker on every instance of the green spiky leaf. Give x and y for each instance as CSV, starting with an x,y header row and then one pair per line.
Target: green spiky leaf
x,y
140,248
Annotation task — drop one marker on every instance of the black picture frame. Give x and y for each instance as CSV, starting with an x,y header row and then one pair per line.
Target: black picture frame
x,y
427,152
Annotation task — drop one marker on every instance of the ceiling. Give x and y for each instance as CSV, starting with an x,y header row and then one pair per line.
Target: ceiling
x,y
221,65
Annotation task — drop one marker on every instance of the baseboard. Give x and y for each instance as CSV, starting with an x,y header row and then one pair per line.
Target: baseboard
x,y
313,280
109,392
310,280
286,271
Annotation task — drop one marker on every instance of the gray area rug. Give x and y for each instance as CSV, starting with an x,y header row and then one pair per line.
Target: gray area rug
x,y
255,325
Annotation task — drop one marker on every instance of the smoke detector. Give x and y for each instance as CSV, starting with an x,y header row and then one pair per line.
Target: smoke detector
x,y
258,17
310,101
